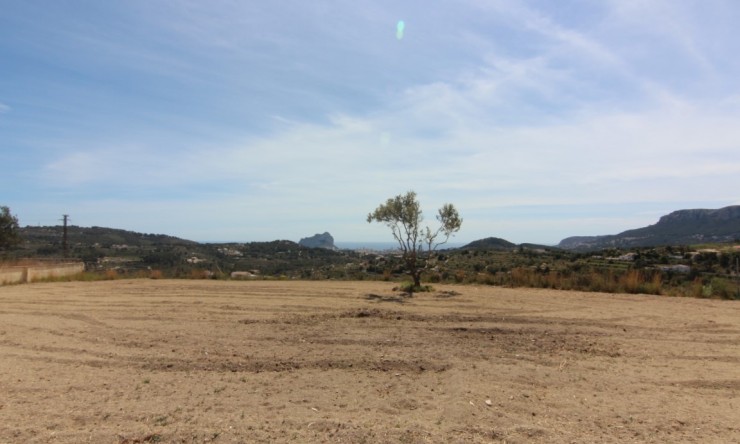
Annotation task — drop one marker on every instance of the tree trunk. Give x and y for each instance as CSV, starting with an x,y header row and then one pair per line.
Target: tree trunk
x,y
414,271
417,279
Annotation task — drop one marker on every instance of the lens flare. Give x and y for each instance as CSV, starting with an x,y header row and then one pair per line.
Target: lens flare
x,y
399,29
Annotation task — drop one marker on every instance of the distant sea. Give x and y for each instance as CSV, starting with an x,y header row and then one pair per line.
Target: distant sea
x,y
383,246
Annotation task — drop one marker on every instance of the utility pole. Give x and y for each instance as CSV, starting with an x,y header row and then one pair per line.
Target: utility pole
x,y
65,218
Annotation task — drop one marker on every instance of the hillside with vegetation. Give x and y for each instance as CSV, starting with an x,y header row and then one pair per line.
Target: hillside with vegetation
x,y
128,253
491,243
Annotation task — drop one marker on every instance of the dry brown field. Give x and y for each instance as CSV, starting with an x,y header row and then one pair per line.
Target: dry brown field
x,y
140,361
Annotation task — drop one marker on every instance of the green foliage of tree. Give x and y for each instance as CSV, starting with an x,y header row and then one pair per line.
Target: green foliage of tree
x,y
9,236
403,215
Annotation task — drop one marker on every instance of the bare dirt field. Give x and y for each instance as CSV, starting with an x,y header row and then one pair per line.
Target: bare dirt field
x,y
142,361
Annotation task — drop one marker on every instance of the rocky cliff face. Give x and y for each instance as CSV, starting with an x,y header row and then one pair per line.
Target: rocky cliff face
x,y
682,227
318,241
708,216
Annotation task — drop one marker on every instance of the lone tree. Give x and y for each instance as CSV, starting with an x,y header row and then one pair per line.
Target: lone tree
x,y
8,229
402,214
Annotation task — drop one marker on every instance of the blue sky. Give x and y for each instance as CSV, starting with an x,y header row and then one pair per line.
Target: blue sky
x,y
249,121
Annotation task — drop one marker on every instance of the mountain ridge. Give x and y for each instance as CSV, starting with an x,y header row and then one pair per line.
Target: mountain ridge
x,y
680,227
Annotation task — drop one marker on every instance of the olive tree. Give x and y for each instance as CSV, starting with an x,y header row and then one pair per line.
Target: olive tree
x,y
8,229
403,215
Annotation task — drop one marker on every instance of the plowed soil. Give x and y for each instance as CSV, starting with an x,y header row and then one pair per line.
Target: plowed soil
x,y
144,361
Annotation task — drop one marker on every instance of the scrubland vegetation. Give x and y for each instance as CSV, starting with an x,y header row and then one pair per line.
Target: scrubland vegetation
x,y
674,271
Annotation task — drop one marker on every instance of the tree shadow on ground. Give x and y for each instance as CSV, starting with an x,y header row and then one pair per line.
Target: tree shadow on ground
x,y
399,299
403,296
447,294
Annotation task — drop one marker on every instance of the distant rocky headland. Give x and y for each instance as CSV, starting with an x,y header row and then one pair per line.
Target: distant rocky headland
x,y
324,240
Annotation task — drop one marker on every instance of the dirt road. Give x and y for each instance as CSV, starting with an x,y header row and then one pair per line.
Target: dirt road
x,y
227,362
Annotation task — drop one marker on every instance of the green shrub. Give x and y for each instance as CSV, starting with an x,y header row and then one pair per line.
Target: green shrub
x,y
409,287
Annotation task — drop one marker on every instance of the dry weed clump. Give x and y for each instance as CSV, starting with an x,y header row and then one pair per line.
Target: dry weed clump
x,y
156,274
110,275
